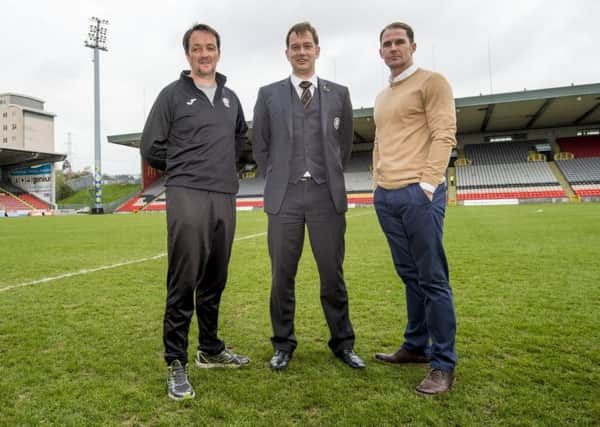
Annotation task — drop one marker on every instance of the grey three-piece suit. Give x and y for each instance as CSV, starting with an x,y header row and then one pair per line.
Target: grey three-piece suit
x,y
289,140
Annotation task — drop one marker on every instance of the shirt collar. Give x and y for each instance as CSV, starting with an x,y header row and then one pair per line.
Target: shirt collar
x,y
404,74
297,80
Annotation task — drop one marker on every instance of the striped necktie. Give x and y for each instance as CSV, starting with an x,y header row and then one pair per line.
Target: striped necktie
x,y
306,95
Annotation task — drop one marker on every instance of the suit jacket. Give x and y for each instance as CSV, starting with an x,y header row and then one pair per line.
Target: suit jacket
x,y
272,131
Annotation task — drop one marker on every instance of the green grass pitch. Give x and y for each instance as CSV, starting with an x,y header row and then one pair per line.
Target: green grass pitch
x,y
86,349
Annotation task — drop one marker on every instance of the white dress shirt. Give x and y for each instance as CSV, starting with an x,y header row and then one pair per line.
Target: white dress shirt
x,y
297,80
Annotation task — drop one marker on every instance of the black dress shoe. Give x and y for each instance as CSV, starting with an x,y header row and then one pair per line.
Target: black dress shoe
x,y
280,360
350,358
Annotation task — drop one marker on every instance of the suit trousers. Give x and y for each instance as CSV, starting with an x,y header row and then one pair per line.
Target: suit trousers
x,y
308,203
200,228
413,226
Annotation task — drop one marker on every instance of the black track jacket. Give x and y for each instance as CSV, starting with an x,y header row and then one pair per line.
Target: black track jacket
x,y
197,144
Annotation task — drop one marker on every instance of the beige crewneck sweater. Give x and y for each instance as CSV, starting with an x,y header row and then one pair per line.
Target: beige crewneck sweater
x,y
415,131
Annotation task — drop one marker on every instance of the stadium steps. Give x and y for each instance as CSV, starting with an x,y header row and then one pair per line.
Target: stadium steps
x,y
563,182
451,180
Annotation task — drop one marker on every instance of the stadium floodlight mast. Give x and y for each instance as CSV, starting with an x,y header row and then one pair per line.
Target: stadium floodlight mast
x,y
97,41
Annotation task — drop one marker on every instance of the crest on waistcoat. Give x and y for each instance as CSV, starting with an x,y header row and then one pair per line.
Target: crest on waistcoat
x,y
226,102
336,123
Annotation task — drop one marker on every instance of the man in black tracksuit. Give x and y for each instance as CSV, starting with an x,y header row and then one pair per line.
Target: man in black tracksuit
x,y
195,133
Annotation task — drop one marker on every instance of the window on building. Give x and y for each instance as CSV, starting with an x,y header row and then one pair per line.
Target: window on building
x,y
5,127
5,140
14,126
5,114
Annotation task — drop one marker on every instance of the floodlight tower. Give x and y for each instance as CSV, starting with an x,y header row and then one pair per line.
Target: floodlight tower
x,y
97,41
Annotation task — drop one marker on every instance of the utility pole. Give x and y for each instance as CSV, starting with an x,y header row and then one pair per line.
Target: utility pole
x,y
67,167
97,41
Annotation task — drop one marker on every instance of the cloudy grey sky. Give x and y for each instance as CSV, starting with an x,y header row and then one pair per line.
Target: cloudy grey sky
x,y
532,44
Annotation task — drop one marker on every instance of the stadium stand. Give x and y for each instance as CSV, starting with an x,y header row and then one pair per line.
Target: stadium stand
x,y
493,154
14,200
583,174
142,200
509,170
34,201
249,202
360,161
251,187
519,135
358,181
501,171
159,203
9,187
358,175
12,203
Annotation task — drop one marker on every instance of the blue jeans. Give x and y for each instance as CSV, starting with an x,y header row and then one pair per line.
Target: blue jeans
x,y
414,227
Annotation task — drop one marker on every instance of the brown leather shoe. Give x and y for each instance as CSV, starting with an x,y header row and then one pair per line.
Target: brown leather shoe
x,y
402,357
436,382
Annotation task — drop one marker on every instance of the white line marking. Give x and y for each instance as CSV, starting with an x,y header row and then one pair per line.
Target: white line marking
x,y
121,264
80,272
104,267
251,236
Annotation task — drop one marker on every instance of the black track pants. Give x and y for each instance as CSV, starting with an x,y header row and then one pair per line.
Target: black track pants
x,y
200,227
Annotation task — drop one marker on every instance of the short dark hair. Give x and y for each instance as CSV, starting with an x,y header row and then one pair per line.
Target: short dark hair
x,y
300,28
200,27
401,26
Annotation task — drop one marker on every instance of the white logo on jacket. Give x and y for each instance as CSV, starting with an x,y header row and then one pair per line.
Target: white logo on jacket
x,y
336,123
225,102
191,101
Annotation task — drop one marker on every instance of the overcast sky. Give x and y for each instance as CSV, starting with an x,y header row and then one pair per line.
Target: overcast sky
x,y
529,43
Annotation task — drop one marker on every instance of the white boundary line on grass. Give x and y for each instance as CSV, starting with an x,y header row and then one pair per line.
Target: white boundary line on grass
x,y
80,272
121,264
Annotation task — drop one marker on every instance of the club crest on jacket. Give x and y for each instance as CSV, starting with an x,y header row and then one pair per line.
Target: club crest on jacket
x,y
336,123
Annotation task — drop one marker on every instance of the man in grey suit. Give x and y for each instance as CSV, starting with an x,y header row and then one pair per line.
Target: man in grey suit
x,y
302,137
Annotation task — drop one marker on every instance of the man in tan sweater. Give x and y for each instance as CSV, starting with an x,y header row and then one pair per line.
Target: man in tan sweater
x,y
415,131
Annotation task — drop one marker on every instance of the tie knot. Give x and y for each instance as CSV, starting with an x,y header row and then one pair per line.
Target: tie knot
x,y
305,84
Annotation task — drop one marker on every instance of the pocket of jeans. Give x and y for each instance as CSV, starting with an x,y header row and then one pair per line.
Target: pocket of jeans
x,y
423,196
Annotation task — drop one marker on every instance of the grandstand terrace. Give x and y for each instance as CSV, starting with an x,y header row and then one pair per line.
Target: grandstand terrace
x,y
581,165
507,145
